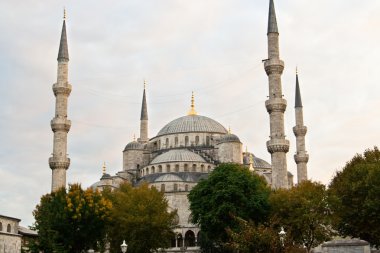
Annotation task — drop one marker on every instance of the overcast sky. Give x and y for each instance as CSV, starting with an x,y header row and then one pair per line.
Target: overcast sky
x,y
211,47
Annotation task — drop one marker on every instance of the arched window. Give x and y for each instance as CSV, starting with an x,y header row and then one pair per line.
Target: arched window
x,y
185,168
176,141
186,187
153,170
1,226
9,228
167,142
207,140
162,187
197,140
179,241
138,166
159,168
202,168
175,187
186,141
189,239
209,169
177,168
168,168
194,169
159,144
147,171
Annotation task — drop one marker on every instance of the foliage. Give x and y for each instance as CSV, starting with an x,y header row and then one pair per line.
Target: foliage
x,y
140,217
355,197
304,213
71,221
229,191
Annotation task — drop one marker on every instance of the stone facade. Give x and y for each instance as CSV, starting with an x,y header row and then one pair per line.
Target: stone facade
x,y
346,246
10,240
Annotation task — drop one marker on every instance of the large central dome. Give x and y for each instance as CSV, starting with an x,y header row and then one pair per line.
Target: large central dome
x,y
192,123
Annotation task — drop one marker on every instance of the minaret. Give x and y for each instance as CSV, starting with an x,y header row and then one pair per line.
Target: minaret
x,y
277,145
301,157
59,162
144,119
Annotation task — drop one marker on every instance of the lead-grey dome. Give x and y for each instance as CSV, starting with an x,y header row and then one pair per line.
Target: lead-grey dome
x,y
178,155
192,123
134,145
229,138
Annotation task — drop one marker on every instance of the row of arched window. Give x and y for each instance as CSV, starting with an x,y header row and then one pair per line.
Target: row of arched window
x,y
175,168
189,241
175,187
9,229
187,142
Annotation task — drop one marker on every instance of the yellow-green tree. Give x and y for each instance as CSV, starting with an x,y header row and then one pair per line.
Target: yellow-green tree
x,y
140,216
72,220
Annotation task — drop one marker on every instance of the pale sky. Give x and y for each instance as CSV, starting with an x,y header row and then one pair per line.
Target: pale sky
x,y
211,47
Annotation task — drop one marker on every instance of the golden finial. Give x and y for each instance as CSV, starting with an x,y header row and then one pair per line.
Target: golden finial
x,y
144,84
296,70
246,149
251,163
192,107
134,137
229,130
104,168
64,13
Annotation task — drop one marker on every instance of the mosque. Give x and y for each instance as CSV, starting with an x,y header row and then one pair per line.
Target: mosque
x,y
188,148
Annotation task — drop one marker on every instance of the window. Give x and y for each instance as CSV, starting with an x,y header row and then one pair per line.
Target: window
x,y
209,169
194,168
176,141
168,168
162,187
153,170
9,228
186,141
159,168
175,187
1,226
202,168
186,187
167,142
177,168
196,140
208,141
185,168
159,144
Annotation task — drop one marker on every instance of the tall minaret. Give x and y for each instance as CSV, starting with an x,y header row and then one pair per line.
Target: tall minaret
x,y
144,119
301,157
277,146
60,125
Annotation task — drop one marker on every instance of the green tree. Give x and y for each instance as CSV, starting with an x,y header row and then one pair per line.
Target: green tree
x,y
304,213
355,197
140,217
71,221
229,191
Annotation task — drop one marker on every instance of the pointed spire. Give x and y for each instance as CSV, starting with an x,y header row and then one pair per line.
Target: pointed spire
x,y
298,92
63,53
144,108
272,21
192,107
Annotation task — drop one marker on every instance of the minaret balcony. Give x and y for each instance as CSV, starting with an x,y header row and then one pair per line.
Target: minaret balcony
x,y
59,162
299,130
274,66
60,124
278,145
62,89
301,158
276,105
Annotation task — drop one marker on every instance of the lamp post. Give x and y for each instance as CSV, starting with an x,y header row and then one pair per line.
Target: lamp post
x,y
282,235
124,247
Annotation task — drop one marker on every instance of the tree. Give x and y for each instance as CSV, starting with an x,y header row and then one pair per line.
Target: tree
x,y
140,217
304,213
229,191
71,221
355,197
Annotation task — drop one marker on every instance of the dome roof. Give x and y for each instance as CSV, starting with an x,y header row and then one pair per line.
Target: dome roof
x,y
229,138
192,123
178,155
168,178
134,145
257,162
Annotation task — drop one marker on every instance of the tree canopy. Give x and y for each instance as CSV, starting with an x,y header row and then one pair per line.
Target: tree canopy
x,y
71,221
140,216
304,213
229,191
355,197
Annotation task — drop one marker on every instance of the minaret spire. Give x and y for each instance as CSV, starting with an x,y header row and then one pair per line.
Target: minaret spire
x,y
277,145
144,118
60,125
301,157
192,106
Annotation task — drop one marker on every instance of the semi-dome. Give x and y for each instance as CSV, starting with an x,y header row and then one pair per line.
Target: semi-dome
x,y
168,178
229,138
178,155
192,123
134,145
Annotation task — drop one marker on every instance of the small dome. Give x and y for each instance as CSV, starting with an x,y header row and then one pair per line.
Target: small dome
x,y
192,123
178,155
168,178
134,145
229,138
105,176
257,162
